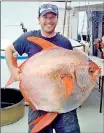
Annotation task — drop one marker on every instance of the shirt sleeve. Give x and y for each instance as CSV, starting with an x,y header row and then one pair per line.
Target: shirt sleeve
x,y
70,46
65,42
21,45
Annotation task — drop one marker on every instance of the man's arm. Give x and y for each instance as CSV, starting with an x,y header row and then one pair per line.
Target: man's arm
x,y
9,59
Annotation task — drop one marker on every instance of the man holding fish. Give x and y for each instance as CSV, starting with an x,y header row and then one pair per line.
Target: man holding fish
x,y
48,19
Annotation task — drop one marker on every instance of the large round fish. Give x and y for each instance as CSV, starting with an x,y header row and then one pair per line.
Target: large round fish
x,y
57,79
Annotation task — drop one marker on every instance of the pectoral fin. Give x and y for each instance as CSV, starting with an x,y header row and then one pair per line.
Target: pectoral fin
x,y
45,121
68,83
41,42
10,81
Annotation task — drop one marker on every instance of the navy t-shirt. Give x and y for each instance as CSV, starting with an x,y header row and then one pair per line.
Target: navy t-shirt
x,y
22,45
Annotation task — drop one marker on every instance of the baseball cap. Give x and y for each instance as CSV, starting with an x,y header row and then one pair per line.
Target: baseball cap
x,y
45,8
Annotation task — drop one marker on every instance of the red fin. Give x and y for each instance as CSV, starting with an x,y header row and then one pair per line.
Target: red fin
x,y
22,64
26,98
41,42
68,83
14,59
45,121
37,120
10,81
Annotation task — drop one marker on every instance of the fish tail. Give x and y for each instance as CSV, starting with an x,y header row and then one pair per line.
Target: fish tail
x,y
44,121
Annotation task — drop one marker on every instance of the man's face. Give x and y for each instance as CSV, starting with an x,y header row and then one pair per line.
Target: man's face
x,y
48,22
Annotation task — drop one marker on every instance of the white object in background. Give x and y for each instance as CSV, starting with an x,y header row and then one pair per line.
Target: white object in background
x,y
76,43
5,43
86,46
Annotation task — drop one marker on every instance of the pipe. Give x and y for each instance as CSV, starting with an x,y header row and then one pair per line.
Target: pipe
x,y
64,17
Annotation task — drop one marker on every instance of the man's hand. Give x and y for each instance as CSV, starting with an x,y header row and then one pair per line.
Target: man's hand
x,y
15,73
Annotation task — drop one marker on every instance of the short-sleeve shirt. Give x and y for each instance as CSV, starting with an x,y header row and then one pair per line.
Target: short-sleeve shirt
x,y
22,45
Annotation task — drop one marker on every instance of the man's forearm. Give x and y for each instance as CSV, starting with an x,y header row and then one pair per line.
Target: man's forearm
x,y
9,57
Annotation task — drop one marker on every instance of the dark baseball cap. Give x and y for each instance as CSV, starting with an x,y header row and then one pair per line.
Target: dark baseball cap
x,y
45,8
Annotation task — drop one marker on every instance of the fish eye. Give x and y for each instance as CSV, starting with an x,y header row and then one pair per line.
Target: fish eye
x,y
91,70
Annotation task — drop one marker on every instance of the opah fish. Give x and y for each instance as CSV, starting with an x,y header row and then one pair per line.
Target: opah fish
x,y
55,80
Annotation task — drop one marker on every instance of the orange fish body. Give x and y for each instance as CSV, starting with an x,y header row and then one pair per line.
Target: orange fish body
x,y
56,79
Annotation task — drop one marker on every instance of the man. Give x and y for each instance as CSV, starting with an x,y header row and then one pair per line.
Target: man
x,y
48,18
99,43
